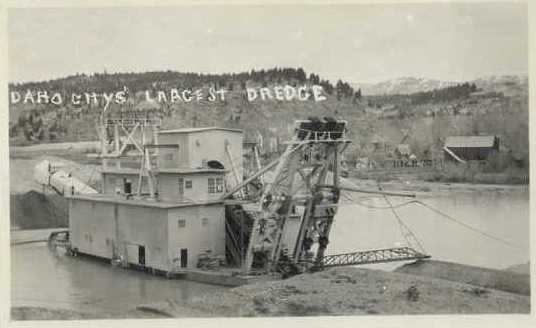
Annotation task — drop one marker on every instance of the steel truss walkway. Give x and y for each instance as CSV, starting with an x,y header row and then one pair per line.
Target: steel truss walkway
x,y
372,256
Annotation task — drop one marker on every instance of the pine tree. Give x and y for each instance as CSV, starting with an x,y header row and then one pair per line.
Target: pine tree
x,y
300,75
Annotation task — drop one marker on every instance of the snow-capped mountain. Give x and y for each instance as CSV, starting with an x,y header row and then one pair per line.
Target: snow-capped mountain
x,y
407,85
402,85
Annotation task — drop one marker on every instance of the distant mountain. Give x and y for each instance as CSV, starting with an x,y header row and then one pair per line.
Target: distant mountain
x,y
409,85
402,85
509,85
523,268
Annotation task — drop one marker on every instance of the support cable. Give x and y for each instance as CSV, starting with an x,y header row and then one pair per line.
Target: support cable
x,y
444,215
448,217
404,229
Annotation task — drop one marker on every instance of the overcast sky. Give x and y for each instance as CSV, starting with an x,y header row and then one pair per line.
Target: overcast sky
x,y
358,43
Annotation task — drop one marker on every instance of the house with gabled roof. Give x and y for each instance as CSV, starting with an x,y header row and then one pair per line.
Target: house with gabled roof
x,y
469,148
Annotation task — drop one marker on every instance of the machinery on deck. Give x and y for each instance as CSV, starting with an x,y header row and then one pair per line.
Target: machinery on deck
x,y
285,227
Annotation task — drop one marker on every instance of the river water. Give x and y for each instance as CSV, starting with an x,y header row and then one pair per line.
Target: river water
x,y
500,213
41,279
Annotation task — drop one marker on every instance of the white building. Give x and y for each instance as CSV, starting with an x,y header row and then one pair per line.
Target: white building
x,y
185,219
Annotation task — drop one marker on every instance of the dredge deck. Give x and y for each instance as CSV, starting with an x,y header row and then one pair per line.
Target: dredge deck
x,y
222,277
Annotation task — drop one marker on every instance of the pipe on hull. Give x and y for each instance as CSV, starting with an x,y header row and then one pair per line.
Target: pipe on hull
x,y
61,181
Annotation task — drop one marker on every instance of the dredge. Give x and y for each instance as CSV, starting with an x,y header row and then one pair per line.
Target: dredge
x,y
176,202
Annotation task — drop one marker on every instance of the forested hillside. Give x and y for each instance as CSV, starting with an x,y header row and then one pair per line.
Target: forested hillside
x,y
497,105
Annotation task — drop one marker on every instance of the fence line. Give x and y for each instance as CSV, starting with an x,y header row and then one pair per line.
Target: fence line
x,y
402,164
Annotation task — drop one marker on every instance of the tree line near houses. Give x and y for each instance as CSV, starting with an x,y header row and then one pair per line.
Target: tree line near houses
x,y
463,109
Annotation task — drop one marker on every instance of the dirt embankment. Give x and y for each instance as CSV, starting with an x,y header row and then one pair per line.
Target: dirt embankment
x,y
30,207
34,210
508,281
349,291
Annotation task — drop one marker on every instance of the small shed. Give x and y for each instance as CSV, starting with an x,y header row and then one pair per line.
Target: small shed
x,y
471,148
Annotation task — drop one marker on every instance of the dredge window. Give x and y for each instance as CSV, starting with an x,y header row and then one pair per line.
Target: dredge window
x,y
215,185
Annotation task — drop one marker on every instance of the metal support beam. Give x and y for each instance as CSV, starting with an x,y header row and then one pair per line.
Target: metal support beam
x,y
266,210
333,211
256,155
233,166
255,176
372,256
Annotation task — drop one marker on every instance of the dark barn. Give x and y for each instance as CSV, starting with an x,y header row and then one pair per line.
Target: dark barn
x,y
471,148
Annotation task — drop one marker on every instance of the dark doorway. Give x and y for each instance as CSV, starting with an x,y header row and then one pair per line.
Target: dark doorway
x,y
141,255
127,186
184,257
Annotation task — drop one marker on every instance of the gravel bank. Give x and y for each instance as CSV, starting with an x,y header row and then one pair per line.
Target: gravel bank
x,y
350,291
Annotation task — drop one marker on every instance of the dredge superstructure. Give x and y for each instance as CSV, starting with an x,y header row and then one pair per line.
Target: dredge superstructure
x,y
182,205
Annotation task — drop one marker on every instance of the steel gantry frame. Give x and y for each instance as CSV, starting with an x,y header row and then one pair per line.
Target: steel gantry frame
x,y
300,179
131,128
306,175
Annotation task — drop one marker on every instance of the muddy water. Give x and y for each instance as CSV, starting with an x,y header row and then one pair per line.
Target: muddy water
x,y
499,213
41,279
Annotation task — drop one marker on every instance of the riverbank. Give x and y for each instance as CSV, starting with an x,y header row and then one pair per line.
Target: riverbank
x,y
505,280
350,291
337,291
423,188
86,169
